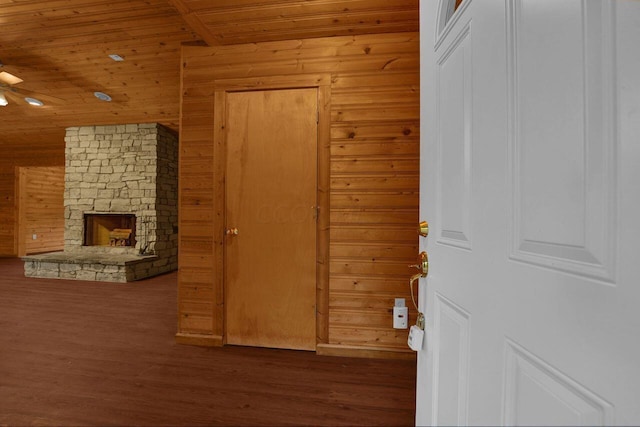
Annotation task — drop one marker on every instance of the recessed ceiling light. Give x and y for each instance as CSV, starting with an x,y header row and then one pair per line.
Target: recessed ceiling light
x,y
102,96
34,102
116,57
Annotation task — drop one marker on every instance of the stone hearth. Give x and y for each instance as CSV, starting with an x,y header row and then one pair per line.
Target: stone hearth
x,y
117,170
91,266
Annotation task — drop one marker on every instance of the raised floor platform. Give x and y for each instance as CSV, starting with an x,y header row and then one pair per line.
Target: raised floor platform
x,y
100,267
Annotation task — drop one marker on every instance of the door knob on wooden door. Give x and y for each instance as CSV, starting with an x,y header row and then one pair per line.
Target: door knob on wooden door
x,y
232,231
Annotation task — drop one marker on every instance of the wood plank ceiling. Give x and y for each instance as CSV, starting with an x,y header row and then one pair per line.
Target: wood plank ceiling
x,y
60,49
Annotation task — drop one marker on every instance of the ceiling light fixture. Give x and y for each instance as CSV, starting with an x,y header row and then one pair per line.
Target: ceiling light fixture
x,y
35,102
102,96
116,57
9,78
3,100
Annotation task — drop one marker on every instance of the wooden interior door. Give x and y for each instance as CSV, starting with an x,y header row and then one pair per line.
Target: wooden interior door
x,y
271,200
529,176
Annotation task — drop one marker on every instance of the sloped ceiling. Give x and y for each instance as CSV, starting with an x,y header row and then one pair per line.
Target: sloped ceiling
x,y
249,21
60,49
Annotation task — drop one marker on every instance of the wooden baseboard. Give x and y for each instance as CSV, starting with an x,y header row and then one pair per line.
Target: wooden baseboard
x,y
364,352
321,349
201,340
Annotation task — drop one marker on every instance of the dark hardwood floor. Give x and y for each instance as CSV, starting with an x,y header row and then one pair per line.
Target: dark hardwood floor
x,y
76,353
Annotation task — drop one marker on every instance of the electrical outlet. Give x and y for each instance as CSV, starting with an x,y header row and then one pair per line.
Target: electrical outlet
x,y
34,236
400,317
400,314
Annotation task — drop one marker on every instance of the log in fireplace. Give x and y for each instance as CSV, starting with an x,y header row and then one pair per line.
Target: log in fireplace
x,y
109,229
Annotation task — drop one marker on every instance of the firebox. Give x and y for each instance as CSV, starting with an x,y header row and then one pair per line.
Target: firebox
x,y
118,230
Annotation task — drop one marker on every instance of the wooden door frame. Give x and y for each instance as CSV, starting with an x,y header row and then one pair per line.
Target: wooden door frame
x,y
18,241
321,82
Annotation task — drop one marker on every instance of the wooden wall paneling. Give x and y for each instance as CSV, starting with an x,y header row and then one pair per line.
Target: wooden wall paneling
x,y
368,337
35,153
40,209
219,165
365,285
371,250
324,213
374,194
368,233
372,181
360,318
18,223
373,168
196,219
8,226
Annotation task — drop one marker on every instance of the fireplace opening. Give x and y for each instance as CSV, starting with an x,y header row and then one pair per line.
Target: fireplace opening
x,y
117,230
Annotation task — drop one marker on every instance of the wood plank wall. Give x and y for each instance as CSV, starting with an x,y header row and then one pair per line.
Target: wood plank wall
x,y
40,209
40,153
374,171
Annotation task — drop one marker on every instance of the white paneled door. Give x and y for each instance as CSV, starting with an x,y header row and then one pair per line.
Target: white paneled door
x,y
530,180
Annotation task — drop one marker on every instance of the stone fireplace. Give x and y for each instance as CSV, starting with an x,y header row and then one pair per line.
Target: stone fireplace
x,y
121,203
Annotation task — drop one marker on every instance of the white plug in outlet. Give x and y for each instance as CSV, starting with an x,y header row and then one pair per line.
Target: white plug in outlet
x,y
400,317
400,314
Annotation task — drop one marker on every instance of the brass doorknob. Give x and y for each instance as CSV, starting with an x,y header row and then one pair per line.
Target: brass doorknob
x,y
423,228
232,232
422,265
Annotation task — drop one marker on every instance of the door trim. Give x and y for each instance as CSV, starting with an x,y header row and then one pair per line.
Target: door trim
x,y
322,82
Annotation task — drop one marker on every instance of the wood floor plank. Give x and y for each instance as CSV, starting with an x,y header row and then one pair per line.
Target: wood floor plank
x,y
95,353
